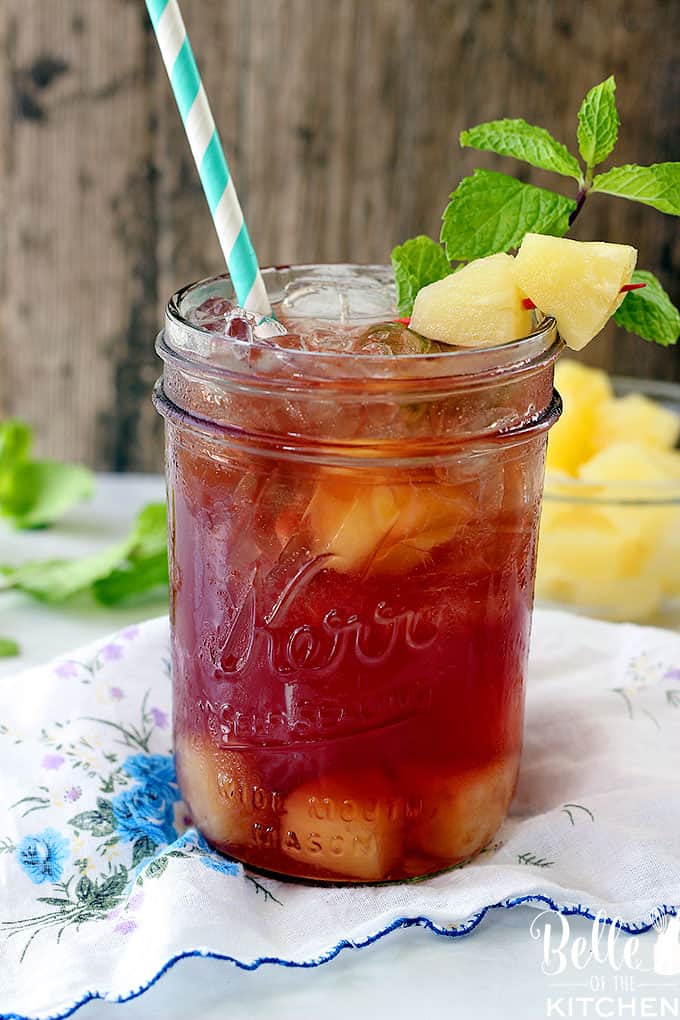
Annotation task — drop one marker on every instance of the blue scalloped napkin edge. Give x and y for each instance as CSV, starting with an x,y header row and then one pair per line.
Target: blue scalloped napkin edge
x,y
454,931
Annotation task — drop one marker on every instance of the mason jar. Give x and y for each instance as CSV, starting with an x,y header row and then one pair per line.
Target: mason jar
x,y
352,551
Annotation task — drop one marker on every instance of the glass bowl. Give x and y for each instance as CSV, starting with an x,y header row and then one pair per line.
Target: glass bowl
x,y
612,549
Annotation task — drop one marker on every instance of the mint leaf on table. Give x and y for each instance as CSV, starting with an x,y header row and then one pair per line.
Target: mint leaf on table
x,y
8,648
133,565
531,144
15,444
34,493
138,577
39,492
416,263
491,212
657,185
649,312
58,580
598,123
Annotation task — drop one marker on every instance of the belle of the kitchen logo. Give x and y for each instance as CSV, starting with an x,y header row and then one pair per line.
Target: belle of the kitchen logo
x,y
630,989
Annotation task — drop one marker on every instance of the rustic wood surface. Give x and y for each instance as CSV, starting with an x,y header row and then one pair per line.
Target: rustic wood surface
x,y
340,118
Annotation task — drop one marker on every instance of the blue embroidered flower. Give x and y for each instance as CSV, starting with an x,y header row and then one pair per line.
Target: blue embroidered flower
x,y
154,770
144,811
42,856
192,840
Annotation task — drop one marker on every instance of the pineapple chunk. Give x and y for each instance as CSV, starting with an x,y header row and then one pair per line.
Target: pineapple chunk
x,y
478,306
462,812
577,282
224,796
614,598
634,417
384,528
583,391
349,824
582,541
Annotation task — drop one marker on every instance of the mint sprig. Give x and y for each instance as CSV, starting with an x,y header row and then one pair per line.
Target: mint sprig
x,y
657,185
533,145
649,312
491,212
417,263
598,124
35,493
131,567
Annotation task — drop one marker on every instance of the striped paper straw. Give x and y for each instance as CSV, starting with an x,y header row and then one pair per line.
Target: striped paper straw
x,y
208,154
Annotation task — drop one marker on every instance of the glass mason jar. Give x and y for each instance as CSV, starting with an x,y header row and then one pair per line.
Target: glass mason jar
x,y
352,553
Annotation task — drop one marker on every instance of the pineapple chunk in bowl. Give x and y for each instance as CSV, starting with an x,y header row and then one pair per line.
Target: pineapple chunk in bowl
x,y
609,543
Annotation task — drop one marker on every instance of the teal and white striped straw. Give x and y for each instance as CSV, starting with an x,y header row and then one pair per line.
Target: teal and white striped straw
x,y
208,154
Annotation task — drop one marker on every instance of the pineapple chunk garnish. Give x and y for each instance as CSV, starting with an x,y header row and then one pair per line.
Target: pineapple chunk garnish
x,y
462,812
348,824
583,391
481,305
577,282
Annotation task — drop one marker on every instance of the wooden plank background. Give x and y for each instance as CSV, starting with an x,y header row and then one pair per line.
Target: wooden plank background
x,y
340,118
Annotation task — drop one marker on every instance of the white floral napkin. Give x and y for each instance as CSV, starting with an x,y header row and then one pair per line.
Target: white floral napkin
x,y
104,883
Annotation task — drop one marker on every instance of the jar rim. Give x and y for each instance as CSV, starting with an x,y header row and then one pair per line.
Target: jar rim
x,y
203,352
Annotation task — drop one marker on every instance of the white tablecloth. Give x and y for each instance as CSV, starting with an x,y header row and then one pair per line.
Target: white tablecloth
x,y
494,972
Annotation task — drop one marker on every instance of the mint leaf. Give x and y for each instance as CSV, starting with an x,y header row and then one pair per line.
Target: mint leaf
x,y
416,263
649,312
137,578
657,185
149,534
531,144
598,123
491,212
8,648
38,492
59,580
132,566
15,444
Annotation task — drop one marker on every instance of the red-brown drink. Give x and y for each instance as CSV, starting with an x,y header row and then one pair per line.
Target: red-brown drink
x,y
352,559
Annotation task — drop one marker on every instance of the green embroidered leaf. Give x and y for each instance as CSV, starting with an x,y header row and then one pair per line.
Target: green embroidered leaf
x,y
55,901
531,144
157,867
649,312
106,809
657,185
94,822
84,889
113,885
142,848
491,212
416,263
598,123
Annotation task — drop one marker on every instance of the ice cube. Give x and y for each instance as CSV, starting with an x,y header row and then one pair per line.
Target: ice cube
x,y
319,339
268,328
239,326
393,338
340,295
211,314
